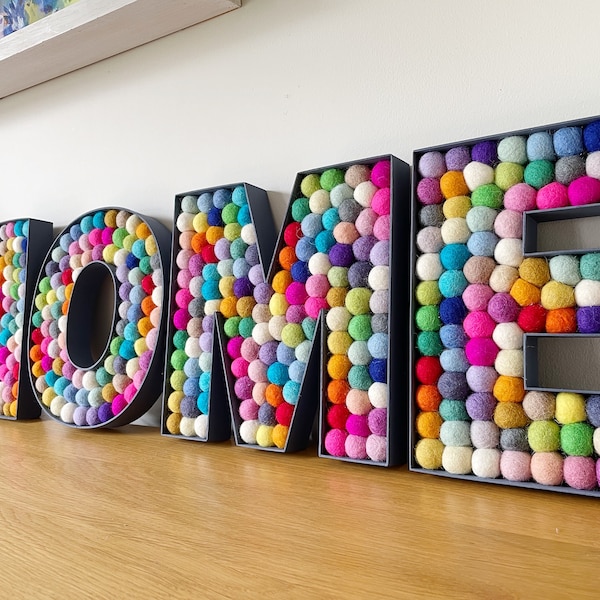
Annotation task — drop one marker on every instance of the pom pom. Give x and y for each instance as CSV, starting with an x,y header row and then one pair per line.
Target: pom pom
x,y
535,271
520,197
429,267
429,239
591,136
502,278
510,363
489,195
525,293
561,320
481,218
592,409
432,164
557,295
455,433
454,256
552,195
428,425
428,453
477,174
476,296
539,173
453,336
509,224
428,397
482,243
479,324
509,389
485,152
428,192
592,166
480,407
457,460
540,146
509,252
565,269
580,472
484,434
588,319
481,352
547,468
568,141
481,379
453,385
515,466
576,439
428,370
455,231
508,336
478,269
508,174
544,436
539,406
430,215
570,408
485,462
589,267
514,439
513,149
584,190
503,308
457,158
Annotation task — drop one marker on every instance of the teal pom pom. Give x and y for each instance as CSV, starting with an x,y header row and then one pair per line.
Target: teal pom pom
x,y
454,410
539,173
359,377
429,343
590,266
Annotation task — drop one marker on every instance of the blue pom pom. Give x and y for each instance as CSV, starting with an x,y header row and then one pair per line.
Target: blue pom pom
x,y
81,397
75,231
60,385
138,249
285,354
205,202
221,198
378,370
132,261
238,196
454,359
266,414
568,141
189,408
131,332
210,272
192,369
296,371
540,146
51,378
243,216
241,268
311,225
305,248
204,381
87,224
277,373
65,241
591,136
378,345
452,283
191,387
592,408
126,350
325,241
453,336
330,218
134,313
210,290
214,217
98,220
202,402
453,311
291,391
70,393
482,243
454,256
300,271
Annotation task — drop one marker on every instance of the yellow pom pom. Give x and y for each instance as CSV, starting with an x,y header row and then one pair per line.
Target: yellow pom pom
x,y
336,296
51,297
140,346
142,231
108,392
458,206
108,254
214,234
278,304
177,380
292,335
535,271
6,409
110,218
48,395
428,453
150,245
557,295
525,293
226,286
200,222
508,415
245,305
264,436
280,433
12,409
570,408
229,306
174,401
339,342
428,424
172,423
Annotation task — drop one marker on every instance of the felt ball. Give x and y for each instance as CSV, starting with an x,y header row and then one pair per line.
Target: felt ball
x,y
429,239
508,336
482,243
596,442
558,295
481,378
428,215
453,336
584,190
428,192
477,174
457,460
428,370
580,472
376,447
427,397
485,462
535,271
452,283
480,407
510,415
481,218
453,410
561,320
489,195
454,256
544,436
476,297
481,352
547,468
452,183
484,434
509,252
509,363
592,166
455,433
565,269
539,406
503,308
458,206
457,158
540,146
568,141
357,299
479,324
428,453
515,466
520,197
569,168
453,359
455,231
452,311
432,164
592,409
479,268
552,195
513,149
485,152
570,408
539,173
509,390
427,293
509,224
576,439
588,319
514,439
453,385
332,177
508,174
589,266
525,293
591,136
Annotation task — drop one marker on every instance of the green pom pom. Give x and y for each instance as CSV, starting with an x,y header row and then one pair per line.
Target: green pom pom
x,y
103,376
576,439
232,326
300,208
508,174
45,285
179,339
357,301
115,344
292,335
428,318
246,326
310,184
539,173
544,436
590,266
338,276
118,236
178,359
453,410
429,343
359,378
330,178
308,326
229,213
37,318
238,248
489,195
428,293
359,328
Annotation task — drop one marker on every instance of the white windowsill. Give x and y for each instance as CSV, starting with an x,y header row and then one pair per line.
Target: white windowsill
x,y
92,30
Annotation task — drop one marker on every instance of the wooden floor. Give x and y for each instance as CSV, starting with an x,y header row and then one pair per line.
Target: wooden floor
x,y
129,514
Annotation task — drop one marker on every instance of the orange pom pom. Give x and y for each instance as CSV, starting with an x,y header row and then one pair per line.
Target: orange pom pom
x,y
281,281
142,231
428,397
228,307
510,415
561,320
280,433
36,353
198,242
453,184
147,305
214,234
274,394
287,257
428,424
525,293
337,390
338,366
144,326
509,389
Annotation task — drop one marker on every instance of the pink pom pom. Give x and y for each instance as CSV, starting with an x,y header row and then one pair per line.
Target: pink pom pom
x,y
314,306
584,190
296,293
107,235
183,278
118,404
520,197
380,173
248,410
479,324
377,447
249,349
239,367
243,388
234,346
515,466
380,202
145,360
509,224
257,371
130,392
481,352
429,192
152,338
356,447
553,195
138,378
335,441
181,318
317,286
365,221
358,425
477,295
580,472
95,237
381,229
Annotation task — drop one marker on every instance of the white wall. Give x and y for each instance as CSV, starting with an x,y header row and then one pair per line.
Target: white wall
x,y
281,86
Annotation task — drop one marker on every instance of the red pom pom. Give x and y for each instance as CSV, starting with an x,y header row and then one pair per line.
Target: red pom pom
x,y
208,254
428,369
292,233
532,318
37,336
337,416
284,413
67,276
147,284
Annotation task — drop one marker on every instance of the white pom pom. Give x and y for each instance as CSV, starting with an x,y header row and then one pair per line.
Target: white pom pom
x,y
509,251
587,293
476,174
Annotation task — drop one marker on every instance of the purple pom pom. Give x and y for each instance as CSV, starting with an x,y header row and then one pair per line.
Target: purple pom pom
x,y
481,405
588,319
485,152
